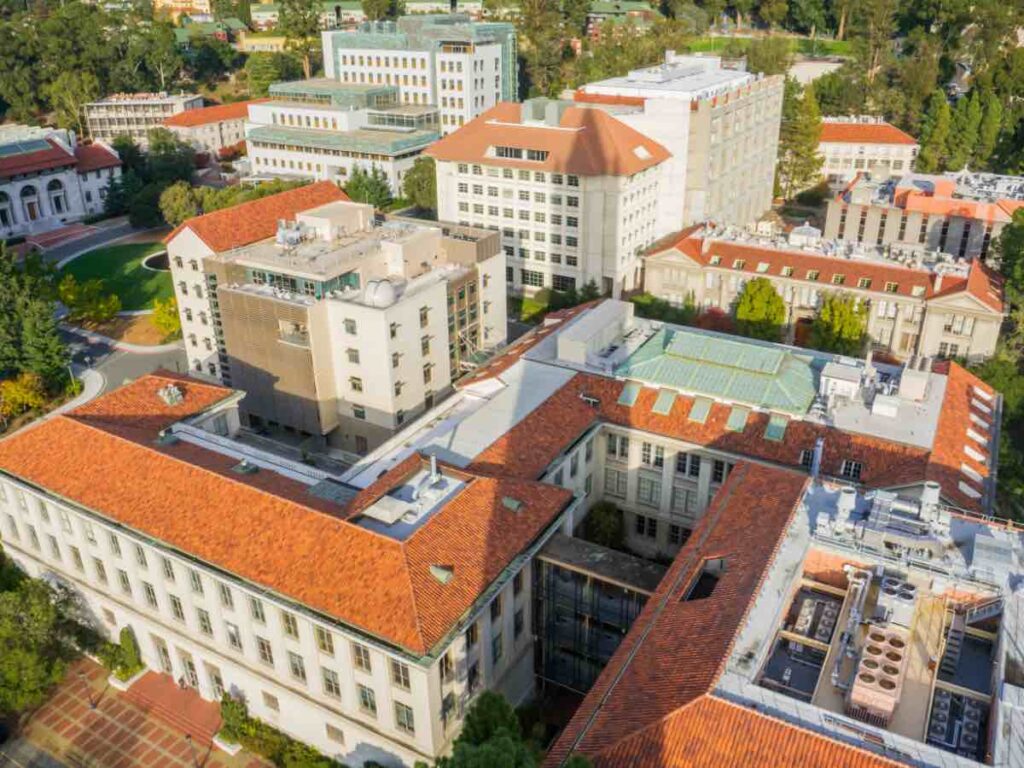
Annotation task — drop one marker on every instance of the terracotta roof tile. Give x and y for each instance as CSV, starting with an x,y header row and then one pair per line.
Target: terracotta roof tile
x,y
54,156
189,498
257,220
94,157
237,110
864,133
714,732
676,648
587,142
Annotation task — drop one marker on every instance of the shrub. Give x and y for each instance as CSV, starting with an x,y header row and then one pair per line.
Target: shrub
x,y
603,525
22,394
122,659
256,736
814,196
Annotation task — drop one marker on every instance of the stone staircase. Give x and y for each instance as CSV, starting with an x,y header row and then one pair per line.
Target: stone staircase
x,y
181,708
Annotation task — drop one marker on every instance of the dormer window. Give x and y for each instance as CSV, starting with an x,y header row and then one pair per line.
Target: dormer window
x,y
517,153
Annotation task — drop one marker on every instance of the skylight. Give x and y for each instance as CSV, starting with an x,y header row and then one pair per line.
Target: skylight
x,y
737,420
663,404
700,410
776,428
629,394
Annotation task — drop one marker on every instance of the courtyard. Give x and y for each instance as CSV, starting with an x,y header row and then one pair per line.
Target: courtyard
x,y
124,271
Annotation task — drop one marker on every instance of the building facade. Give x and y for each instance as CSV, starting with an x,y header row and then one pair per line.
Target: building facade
x,y
324,130
350,673
572,191
48,179
337,327
461,67
852,145
955,213
135,114
936,308
721,127
212,129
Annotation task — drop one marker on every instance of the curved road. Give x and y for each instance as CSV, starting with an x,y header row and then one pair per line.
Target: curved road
x,y
117,366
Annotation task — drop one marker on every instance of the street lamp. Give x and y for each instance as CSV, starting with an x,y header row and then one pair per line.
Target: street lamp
x,y
88,690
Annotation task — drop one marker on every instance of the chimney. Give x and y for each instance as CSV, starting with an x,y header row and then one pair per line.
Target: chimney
x,y
433,468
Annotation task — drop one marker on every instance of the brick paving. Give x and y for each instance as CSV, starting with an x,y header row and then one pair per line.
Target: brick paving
x,y
119,732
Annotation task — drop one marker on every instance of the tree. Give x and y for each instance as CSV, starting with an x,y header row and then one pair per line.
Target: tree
x,y
132,157
69,94
589,291
769,55
165,317
799,160
934,134
963,135
808,15
87,300
38,643
1010,253
504,750
162,55
988,131
178,202
604,526
773,12
839,325
263,69
875,25
760,311
575,14
43,353
420,184
489,714
743,8
21,394
168,158
369,187
299,22
144,208
375,10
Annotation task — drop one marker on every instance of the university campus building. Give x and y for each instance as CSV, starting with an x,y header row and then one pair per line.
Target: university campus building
x,y
806,502
135,114
863,143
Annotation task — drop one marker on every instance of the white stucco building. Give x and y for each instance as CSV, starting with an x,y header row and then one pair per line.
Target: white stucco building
x,y
48,179
852,145
460,66
573,191
135,114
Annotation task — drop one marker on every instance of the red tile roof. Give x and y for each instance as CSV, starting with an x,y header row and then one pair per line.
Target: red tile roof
x,y
864,133
713,732
237,110
257,220
259,526
54,156
676,649
586,142
981,282
94,157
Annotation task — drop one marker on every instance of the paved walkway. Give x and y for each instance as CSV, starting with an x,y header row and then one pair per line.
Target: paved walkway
x,y
124,346
118,733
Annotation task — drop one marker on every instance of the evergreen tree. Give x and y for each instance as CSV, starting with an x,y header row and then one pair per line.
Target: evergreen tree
x,y
934,135
963,135
369,187
10,320
419,185
988,131
42,350
264,69
839,325
773,12
760,311
799,160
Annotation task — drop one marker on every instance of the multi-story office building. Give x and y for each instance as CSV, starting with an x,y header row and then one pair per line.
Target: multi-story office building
x,y
852,145
573,191
323,129
48,179
460,66
918,302
135,114
954,213
431,584
212,128
337,326
721,127
336,14
362,621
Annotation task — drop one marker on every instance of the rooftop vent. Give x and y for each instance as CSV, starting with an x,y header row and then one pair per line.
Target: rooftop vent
x,y
443,573
245,467
590,400
511,504
171,394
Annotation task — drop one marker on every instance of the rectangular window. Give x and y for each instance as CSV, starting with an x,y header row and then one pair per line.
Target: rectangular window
x,y
615,482
196,581
332,686
718,472
289,624
517,584
297,668
266,652
101,570
270,702
168,570
367,700
176,609
150,593
851,469
140,557
324,641
256,610
204,621
496,608
234,636
361,657
76,558
472,634
115,546
517,623
400,674
497,649
648,491
227,599
403,718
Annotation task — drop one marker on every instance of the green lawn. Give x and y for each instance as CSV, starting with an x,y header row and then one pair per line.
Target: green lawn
x,y
819,47
120,268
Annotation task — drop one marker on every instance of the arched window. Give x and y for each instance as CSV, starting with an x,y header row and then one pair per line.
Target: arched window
x,y
30,202
6,211
58,198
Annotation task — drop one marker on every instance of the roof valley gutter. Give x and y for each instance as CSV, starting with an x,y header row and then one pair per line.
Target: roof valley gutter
x,y
683,574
